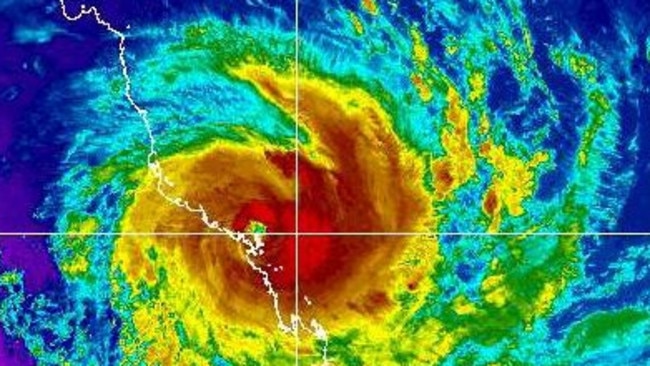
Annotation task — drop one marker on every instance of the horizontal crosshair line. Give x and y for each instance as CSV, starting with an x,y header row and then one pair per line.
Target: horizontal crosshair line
x,y
303,233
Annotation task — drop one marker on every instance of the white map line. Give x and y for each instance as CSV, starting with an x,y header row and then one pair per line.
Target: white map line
x,y
253,248
297,187
334,233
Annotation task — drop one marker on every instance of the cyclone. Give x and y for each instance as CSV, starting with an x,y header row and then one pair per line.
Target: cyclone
x,y
357,183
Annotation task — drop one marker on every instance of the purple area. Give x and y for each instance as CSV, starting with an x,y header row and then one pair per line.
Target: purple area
x,y
13,352
28,153
29,256
18,203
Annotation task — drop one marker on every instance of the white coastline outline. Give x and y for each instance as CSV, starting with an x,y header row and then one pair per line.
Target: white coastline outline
x,y
253,248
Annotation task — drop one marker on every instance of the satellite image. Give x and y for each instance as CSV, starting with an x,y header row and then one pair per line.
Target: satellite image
x,y
325,182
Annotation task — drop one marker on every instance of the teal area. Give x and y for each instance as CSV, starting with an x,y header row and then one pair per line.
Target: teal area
x,y
565,78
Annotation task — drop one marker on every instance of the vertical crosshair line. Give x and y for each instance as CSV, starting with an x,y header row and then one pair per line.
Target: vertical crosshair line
x,y
297,191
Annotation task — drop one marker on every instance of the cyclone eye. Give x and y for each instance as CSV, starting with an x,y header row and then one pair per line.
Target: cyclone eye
x,y
324,182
